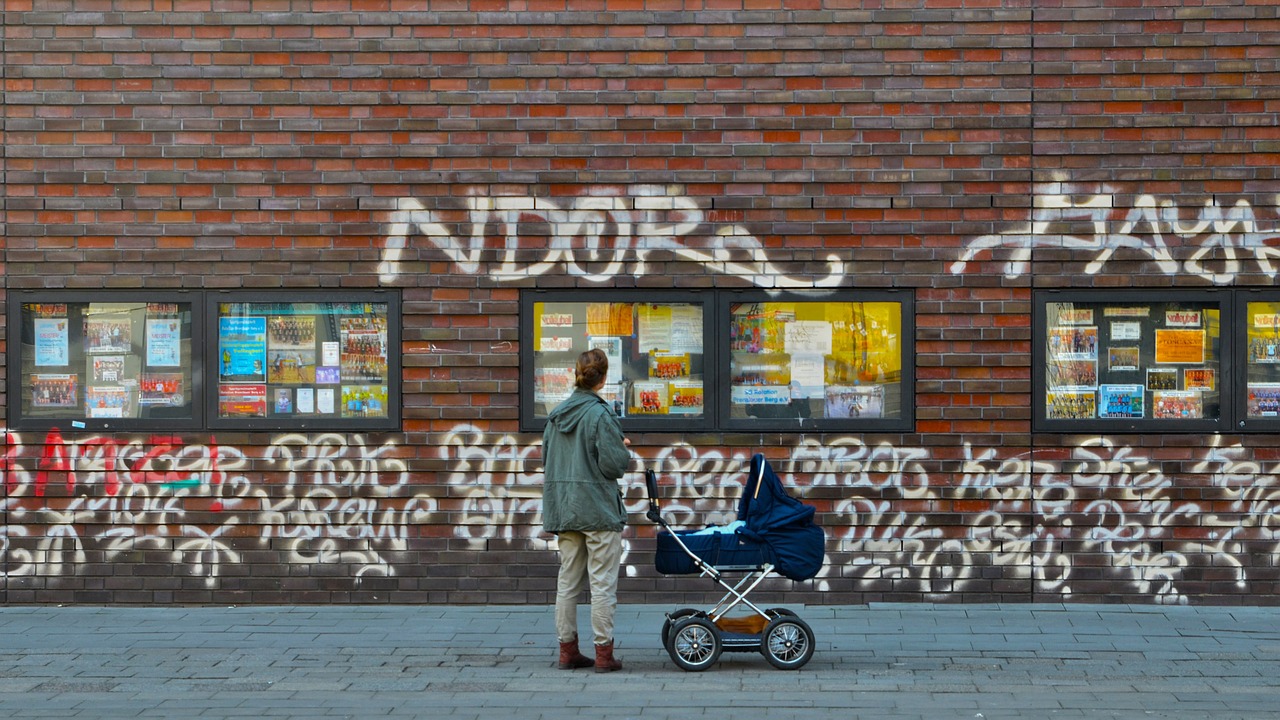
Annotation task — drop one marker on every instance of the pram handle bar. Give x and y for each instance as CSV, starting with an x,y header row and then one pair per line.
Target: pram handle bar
x,y
654,513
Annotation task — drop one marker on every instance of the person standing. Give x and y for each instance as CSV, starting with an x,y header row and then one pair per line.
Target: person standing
x,y
584,455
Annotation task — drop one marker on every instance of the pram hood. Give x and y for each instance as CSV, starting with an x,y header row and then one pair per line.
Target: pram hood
x,y
773,517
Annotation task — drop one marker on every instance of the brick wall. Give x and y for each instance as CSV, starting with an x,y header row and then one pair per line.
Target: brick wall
x,y
971,151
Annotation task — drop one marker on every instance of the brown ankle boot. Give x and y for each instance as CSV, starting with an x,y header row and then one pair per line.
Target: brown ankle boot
x,y
605,661
571,658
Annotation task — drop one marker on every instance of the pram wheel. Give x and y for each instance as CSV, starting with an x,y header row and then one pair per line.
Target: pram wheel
x,y
787,642
695,644
674,617
779,612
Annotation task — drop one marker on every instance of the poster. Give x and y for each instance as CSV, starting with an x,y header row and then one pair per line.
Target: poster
x,y
612,348
808,376
1180,346
552,384
668,366
555,343
363,349
807,337
291,367
53,391
51,342
1162,379
861,401
106,402
654,328
1177,405
328,375
242,348
686,329
160,389
283,404
1199,378
164,342
649,398
1121,401
1122,358
291,349
329,354
760,395
1071,405
1126,331
242,401
306,401
686,397
108,334
607,319
1074,343
106,368
361,401
325,401
1264,400
1073,373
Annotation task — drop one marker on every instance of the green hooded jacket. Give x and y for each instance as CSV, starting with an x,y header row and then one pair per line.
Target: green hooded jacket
x,y
584,457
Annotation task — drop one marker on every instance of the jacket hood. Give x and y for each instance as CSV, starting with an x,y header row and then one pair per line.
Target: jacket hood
x,y
570,413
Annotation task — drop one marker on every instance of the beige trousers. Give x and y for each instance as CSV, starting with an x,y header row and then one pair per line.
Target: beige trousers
x,y
592,557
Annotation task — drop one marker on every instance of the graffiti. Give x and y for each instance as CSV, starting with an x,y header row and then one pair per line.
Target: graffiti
x,y
596,237
1112,500
124,496
1226,241
897,518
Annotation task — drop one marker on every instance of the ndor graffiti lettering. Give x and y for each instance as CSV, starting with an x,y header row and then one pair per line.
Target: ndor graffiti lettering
x,y
597,237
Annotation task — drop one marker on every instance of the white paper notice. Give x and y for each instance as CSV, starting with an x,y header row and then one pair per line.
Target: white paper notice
x,y
808,337
807,371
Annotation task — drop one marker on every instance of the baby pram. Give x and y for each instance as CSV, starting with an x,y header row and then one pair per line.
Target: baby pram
x,y
774,533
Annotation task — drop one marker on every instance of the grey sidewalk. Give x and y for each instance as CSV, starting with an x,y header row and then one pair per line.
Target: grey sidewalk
x,y
886,661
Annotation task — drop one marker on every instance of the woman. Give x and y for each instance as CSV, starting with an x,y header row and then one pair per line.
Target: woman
x,y
585,454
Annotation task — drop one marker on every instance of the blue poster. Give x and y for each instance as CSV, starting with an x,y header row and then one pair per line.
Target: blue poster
x,y
242,348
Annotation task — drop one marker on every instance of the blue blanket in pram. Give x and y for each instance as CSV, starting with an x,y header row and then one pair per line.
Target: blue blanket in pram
x,y
772,528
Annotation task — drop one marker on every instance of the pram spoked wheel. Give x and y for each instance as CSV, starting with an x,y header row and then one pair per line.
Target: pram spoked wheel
x,y
787,642
695,644
669,624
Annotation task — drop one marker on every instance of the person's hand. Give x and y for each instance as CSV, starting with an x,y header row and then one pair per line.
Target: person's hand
x,y
626,441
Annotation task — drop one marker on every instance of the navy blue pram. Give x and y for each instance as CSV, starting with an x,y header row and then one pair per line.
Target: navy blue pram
x,y
774,533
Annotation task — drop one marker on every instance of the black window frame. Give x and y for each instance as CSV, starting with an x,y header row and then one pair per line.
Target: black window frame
x,y
904,422
337,424
15,381
204,348
1240,327
1225,299
645,423
717,304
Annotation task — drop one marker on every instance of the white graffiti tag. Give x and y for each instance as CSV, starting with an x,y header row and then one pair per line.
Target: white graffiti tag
x,y
1224,239
593,237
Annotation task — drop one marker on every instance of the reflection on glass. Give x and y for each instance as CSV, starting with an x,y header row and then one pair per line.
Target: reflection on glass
x,y
816,360
655,355
106,360
1132,360
302,360
1262,361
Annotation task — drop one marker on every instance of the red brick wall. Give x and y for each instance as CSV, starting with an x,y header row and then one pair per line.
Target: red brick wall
x,y
971,151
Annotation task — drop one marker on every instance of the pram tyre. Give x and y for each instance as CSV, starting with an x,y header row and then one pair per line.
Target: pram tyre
x,y
695,644
787,642
669,624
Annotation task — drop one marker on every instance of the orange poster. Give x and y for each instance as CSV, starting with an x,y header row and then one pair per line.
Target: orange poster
x,y
1180,346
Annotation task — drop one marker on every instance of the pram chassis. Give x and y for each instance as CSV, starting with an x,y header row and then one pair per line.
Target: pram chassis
x,y
694,640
